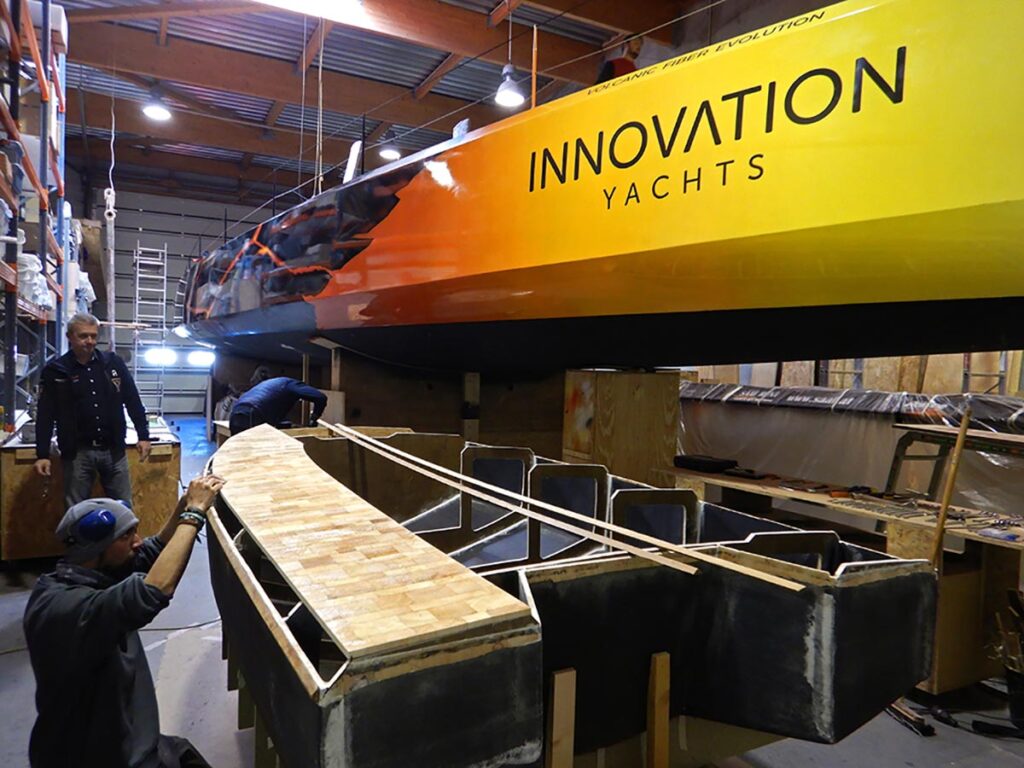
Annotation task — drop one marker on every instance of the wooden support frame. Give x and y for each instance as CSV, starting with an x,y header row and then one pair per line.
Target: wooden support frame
x,y
561,720
658,697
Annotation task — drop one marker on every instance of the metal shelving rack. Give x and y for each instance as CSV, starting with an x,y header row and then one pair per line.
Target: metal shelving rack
x,y
21,319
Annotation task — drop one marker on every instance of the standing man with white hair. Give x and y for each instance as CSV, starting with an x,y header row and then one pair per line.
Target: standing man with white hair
x,y
85,393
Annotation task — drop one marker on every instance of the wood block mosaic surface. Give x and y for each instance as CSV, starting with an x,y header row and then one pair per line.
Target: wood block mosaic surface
x,y
374,586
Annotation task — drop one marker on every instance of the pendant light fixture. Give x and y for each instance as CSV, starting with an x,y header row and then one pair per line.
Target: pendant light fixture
x,y
389,150
155,107
508,94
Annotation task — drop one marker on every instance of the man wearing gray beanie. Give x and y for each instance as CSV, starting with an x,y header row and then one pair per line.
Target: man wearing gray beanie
x,y
95,697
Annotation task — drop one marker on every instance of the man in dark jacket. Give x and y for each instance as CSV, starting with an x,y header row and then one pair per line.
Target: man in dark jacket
x,y
85,392
624,64
269,402
95,698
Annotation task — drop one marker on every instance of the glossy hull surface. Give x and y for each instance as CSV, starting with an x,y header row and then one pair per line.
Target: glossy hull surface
x,y
831,176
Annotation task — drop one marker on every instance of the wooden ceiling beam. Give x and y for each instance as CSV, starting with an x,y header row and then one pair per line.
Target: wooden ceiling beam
x,y
459,30
313,44
199,130
180,96
501,11
451,61
373,136
275,112
129,50
620,16
161,11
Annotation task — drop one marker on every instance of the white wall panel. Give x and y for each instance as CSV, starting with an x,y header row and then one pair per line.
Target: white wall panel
x,y
187,228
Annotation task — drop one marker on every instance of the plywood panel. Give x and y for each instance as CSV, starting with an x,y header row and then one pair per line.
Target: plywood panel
x,y
636,420
31,506
798,374
944,374
882,373
372,585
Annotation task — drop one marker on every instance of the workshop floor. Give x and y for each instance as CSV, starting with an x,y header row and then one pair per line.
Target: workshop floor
x,y
184,653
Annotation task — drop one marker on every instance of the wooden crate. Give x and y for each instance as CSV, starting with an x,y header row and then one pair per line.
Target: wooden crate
x,y
626,421
31,506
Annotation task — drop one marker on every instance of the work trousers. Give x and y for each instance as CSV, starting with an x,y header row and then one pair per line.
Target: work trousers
x,y
243,418
176,752
81,471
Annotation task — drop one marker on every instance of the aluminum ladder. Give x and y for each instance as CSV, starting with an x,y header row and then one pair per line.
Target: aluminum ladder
x,y
150,319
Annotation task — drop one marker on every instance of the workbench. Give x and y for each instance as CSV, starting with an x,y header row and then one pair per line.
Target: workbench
x,y
972,585
31,506
944,437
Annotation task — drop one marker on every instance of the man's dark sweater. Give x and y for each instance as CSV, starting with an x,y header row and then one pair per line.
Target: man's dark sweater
x,y
65,397
95,697
271,400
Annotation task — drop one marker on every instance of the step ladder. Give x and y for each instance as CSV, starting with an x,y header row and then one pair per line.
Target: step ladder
x,y
999,375
150,320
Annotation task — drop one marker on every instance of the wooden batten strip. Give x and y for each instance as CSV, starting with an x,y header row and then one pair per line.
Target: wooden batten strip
x,y
561,720
304,671
658,711
403,459
486,492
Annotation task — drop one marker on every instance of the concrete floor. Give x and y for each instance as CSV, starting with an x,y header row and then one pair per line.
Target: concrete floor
x,y
184,653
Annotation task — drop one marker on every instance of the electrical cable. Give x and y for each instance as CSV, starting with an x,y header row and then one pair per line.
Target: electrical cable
x,y
467,60
319,163
302,109
397,97
197,625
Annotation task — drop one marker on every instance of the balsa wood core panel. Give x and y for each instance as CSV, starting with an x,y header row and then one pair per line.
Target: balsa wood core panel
x,y
374,586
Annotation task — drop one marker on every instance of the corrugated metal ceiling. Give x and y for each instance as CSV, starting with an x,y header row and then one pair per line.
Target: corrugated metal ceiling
x,y
545,19
280,35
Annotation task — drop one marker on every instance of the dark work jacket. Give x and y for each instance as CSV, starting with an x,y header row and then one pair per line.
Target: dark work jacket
x,y
273,398
95,698
615,68
57,406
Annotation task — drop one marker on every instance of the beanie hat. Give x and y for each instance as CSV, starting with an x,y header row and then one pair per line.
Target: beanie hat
x,y
91,526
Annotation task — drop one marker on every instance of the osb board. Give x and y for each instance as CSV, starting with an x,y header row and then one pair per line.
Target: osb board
x,y
763,374
960,655
374,586
31,506
943,374
910,542
798,374
578,413
636,420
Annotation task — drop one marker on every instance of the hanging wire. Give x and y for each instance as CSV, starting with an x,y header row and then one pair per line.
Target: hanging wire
x,y
508,5
319,187
399,135
302,108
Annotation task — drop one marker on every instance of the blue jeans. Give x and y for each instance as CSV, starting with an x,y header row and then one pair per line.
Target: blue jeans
x,y
81,471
